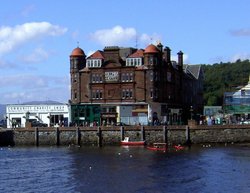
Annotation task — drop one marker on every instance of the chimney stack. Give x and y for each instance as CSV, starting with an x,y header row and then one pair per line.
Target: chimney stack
x,y
180,59
167,53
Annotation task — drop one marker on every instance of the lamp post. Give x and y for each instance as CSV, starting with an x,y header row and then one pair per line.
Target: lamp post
x,y
191,112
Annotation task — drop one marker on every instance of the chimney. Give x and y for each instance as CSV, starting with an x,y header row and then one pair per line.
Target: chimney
x,y
111,53
159,46
180,58
167,53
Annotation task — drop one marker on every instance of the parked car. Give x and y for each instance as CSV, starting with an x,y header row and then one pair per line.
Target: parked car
x,y
36,123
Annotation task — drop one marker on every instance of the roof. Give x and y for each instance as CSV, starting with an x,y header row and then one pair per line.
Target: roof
x,y
97,55
137,54
194,70
151,49
77,52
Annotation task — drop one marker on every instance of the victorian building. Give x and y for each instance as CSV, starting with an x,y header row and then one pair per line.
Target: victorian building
x,y
131,86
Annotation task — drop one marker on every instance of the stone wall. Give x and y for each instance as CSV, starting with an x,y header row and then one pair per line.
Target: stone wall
x,y
113,135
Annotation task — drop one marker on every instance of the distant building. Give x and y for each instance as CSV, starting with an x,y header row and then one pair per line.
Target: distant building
x,y
238,102
40,113
133,86
212,110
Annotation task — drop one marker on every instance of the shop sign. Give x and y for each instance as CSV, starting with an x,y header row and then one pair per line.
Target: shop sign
x,y
36,108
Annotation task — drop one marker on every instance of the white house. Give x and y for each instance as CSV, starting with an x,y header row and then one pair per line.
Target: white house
x,y
49,113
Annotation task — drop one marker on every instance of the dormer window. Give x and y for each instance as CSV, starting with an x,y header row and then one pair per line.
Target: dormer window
x,y
133,61
94,63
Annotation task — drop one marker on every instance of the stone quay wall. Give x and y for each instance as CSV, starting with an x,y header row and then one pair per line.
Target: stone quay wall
x,y
98,136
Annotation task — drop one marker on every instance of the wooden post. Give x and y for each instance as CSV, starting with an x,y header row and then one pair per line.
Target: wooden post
x,y
78,136
165,134
36,136
99,136
122,132
188,140
57,136
142,134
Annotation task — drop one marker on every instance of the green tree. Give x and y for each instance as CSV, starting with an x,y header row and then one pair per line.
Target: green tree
x,y
224,77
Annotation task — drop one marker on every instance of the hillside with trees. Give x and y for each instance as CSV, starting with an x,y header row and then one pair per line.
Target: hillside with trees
x,y
224,77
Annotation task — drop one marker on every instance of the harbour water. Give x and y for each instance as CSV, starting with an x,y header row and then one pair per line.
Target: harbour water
x,y
116,169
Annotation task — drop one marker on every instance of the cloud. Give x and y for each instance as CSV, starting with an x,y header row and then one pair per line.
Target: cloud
x,y
90,52
240,32
12,37
60,94
27,81
149,39
241,56
114,36
120,36
38,55
7,64
26,87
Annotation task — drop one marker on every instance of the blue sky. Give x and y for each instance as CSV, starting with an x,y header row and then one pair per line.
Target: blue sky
x,y
37,37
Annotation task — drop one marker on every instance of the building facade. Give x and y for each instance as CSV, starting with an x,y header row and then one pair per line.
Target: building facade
x,y
128,85
237,104
49,114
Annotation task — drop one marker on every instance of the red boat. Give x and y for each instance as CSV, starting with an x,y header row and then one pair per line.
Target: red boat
x,y
132,143
178,147
158,147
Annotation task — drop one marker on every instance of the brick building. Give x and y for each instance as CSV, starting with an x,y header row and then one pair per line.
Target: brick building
x,y
128,85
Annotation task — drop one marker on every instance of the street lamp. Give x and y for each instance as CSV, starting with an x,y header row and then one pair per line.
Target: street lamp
x,y
191,112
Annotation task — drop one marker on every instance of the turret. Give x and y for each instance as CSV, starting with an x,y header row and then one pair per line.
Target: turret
x,y
77,59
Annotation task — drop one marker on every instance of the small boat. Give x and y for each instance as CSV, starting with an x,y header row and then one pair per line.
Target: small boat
x,y
132,143
178,147
158,147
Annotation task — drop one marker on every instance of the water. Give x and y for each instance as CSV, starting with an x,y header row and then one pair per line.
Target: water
x,y
124,170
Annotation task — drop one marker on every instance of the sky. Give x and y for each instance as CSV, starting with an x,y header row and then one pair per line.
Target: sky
x,y
37,37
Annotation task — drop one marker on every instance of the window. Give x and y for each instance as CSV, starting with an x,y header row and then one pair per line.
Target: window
x,y
151,93
131,77
97,94
151,60
135,61
127,93
93,78
122,77
138,62
88,63
75,77
151,76
123,93
97,78
128,62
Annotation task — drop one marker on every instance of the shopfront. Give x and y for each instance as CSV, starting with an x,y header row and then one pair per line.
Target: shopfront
x,y
18,115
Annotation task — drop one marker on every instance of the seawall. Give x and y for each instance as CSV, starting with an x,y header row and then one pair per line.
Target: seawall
x,y
195,134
